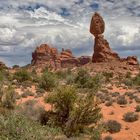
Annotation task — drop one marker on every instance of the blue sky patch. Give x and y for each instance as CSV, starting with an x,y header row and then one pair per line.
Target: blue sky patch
x,y
64,12
94,6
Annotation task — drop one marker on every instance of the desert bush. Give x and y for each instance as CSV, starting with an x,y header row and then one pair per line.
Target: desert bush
x,y
128,82
8,97
32,110
5,76
15,66
96,135
137,99
109,103
39,92
136,80
73,113
48,81
63,74
22,76
113,126
133,81
1,76
130,117
14,126
128,93
84,80
63,100
138,108
115,94
128,74
107,76
27,93
121,100
108,138
70,79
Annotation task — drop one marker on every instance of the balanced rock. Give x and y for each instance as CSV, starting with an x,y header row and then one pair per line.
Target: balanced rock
x,y
97,25
102,50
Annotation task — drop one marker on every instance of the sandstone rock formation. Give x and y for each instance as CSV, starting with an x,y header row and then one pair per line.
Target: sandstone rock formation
x,y
46,56
131,60
102,50
2,65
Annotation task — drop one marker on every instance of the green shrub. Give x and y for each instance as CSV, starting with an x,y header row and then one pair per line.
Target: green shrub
x,y
48,81
107,76
108,138
115,94
8,97
121,100
128,74
128,82
17,127
1,76
73,113
109,103
70,79
63,100
130,117
63,74
136,80
84,80
138,108
16,66
137,99
22,76
133,81
27,93
113,126
5,76
32,110
96,135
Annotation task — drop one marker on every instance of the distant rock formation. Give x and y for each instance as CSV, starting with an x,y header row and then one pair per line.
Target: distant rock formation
x,y
2,65
102,50
46,56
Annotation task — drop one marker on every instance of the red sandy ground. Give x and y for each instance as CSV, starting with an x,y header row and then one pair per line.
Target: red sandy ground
x,y
129,131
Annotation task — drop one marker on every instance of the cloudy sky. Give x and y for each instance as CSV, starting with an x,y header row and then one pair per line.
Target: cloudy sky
x,y
24,24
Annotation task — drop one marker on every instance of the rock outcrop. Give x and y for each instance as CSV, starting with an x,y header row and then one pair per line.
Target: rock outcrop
x,y
131,60
2,65
46,56
102,50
